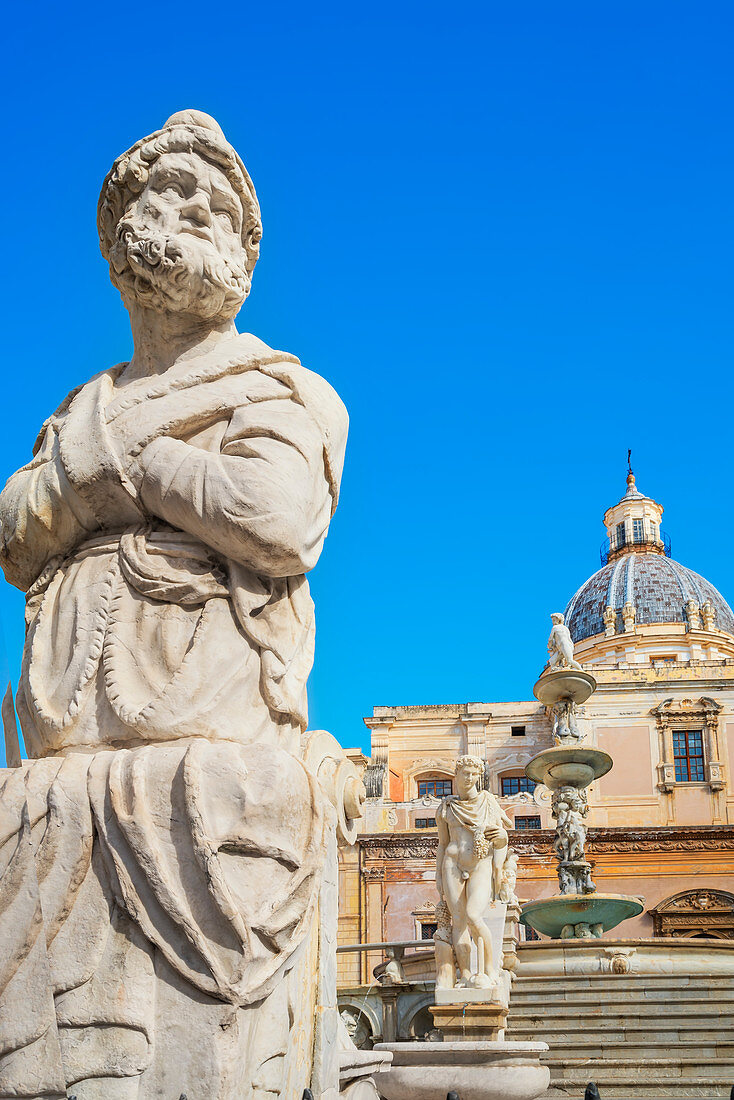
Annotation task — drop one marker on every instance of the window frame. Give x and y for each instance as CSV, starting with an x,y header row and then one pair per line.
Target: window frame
x,y
519,779
687,715
430,823
688,758
527,828
434,779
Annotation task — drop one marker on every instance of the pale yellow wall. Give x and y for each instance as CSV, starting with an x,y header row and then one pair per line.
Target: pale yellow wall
x,y
629,747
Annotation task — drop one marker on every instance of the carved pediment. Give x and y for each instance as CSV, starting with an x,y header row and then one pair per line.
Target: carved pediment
x,y
703,912
697,901
425,911
688,708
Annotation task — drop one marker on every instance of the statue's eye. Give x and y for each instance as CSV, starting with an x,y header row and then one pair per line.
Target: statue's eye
x,y
172,188
226,216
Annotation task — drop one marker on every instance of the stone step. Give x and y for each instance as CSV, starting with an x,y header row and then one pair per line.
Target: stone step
x,y
569,984
659,1071
633,1088
719,1055
648,1010
647,992
543,981
697,1035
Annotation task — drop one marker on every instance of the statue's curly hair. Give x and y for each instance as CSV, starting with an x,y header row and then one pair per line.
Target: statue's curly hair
x,y
468,762
184,132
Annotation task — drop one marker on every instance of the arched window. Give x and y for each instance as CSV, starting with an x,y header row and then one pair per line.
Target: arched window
x,y
434,786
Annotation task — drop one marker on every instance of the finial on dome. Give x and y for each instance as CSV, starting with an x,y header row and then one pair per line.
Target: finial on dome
x,y
190,117
630,476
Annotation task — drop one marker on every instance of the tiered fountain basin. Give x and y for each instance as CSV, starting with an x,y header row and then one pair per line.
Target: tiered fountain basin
x,y
477,1071
550,916
564,683
563,766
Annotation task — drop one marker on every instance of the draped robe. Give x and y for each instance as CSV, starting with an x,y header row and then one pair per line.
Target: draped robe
x,y
161,533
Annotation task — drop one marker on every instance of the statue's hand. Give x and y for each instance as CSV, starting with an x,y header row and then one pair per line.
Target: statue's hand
x,y
136,465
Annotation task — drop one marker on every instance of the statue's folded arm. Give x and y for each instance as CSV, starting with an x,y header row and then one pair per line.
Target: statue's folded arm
x,y
263,501
42,515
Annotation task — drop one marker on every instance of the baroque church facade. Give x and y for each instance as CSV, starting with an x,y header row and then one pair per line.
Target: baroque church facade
x,y
659,640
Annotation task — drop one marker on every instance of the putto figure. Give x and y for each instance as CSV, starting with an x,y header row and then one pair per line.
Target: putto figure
x,y
560,645
472,848
161,532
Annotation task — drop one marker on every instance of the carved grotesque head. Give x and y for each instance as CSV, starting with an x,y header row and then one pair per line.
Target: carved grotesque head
x,y
179,221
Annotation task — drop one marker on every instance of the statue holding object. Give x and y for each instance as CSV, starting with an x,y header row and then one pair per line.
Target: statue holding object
x,y
472,849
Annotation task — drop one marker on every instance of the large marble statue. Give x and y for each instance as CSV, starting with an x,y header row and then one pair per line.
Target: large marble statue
x,y
472,848
161,855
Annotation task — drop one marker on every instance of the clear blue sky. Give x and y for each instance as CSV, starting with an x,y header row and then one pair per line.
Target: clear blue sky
x,y
503,232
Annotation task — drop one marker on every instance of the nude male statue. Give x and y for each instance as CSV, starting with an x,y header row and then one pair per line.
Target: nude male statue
x,y
472,847
560,645
161,533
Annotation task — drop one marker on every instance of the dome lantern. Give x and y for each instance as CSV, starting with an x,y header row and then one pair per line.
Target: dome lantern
x,y
633,525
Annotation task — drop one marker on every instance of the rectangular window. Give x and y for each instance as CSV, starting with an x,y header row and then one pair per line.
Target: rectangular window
x,y
528,822
620,535
425,823
434,788
688,756
638,530
428,930
518,731
663,659
513,784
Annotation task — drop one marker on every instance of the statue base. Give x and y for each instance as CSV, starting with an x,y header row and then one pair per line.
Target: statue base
x,y
579,916
469,1021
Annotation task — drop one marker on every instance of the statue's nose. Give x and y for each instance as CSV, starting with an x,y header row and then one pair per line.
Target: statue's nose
x,y
196,209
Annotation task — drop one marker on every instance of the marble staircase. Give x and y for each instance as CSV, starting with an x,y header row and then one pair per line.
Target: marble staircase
x,y
644,1037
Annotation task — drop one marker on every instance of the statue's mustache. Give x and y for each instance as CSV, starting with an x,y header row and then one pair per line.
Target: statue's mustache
x,y
146,249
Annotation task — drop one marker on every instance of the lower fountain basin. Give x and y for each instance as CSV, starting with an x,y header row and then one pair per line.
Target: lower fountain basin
x,y
568,767
477,1071
550,916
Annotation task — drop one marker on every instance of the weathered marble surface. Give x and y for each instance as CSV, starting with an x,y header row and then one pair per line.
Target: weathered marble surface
x,y
470,865
166,917
476,1070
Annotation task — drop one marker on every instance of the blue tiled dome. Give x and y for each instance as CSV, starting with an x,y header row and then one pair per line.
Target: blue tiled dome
x,y
658,587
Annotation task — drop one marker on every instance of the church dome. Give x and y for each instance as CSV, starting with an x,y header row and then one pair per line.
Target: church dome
x,y
639,579
658,588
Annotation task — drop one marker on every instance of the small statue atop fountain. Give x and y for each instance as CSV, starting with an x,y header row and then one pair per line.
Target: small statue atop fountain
x,y
472,850
560,645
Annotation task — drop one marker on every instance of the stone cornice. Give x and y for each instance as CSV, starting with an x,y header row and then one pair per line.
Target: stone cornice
x,y
705,838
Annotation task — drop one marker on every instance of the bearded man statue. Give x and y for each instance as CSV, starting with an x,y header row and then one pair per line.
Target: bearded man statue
x,y
161,852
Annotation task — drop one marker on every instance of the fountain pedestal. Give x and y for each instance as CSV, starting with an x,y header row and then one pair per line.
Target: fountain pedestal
x,y
472,1021
567,769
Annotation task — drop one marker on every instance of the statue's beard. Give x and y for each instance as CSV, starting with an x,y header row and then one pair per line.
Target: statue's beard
x,y
175,274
